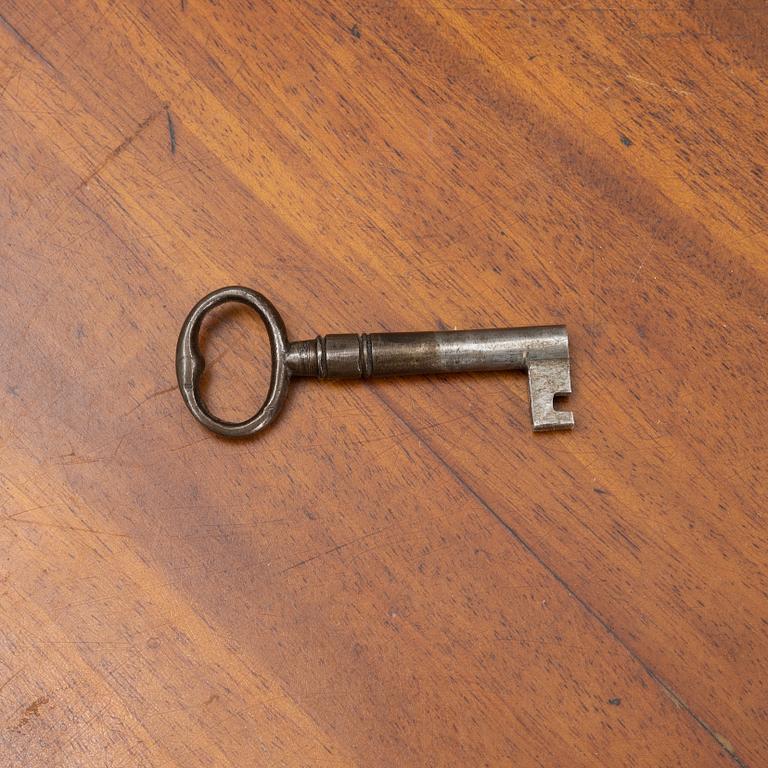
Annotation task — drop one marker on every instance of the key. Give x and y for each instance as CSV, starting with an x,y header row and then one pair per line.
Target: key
x,y
542,351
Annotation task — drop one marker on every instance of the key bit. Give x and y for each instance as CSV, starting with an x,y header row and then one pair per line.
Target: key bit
x,y
542,351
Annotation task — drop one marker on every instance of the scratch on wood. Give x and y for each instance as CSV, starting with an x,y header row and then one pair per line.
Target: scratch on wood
x,y
151,396
118,150
658,85
171,130
72,528
11,678
23,40
74,459
331,551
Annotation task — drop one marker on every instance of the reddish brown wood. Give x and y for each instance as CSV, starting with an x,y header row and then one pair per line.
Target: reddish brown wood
x,y
419,579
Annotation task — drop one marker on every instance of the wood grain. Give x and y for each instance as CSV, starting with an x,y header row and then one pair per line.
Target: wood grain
x,y
398,573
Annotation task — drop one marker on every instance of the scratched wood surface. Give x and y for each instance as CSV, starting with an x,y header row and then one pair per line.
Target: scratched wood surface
x,y
398,573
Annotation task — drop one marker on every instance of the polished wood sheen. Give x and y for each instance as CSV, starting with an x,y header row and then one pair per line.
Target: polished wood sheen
x,y
397,573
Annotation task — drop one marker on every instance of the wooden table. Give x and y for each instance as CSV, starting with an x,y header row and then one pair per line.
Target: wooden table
x,y
399,573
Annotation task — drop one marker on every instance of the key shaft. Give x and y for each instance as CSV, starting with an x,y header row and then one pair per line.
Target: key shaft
x,y
541,350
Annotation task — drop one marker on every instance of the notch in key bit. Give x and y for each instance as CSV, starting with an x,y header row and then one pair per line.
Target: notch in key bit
x,y
546,380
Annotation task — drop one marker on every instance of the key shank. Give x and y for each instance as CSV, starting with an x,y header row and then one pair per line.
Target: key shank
x,y
540,350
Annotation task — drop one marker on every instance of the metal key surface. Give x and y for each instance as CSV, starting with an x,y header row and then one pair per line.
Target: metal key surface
x,y
542,351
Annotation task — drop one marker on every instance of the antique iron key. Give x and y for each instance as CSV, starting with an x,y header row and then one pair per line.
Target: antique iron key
x,y
542,351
